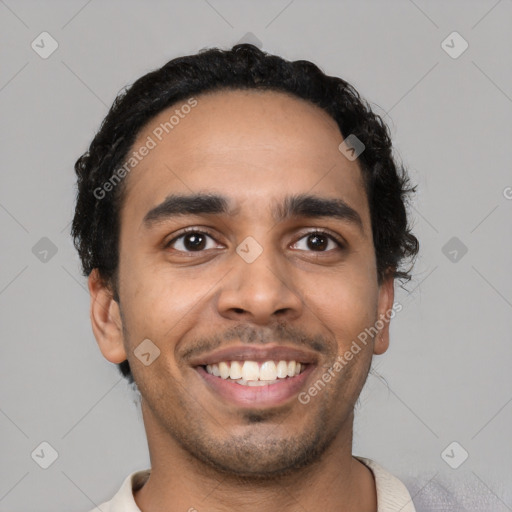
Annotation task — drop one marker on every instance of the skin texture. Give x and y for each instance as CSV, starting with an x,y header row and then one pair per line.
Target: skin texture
x,y
254,148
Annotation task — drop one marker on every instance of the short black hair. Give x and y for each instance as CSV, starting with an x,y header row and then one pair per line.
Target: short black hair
x,y
96,223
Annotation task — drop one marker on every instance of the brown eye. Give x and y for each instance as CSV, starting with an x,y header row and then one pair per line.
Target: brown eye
x,y
318,241
192,241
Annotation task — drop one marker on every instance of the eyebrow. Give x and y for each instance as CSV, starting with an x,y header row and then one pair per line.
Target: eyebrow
x,y
301,205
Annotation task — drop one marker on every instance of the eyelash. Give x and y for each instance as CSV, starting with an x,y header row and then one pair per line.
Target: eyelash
x,y
203,231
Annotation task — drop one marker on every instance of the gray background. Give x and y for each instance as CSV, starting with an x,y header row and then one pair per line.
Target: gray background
x,y
446,376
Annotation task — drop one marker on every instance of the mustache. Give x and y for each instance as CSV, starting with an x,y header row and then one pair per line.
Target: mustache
x,y
249,334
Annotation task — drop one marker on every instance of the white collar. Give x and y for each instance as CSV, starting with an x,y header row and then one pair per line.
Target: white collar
x,y
392,495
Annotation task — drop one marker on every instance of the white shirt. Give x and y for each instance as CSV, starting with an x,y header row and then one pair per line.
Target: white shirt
x,y
392,495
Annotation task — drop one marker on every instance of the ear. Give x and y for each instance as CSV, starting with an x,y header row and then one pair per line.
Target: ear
x,y
385,305
106,319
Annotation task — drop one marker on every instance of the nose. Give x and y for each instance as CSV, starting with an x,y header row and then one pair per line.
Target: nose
x,y
261,291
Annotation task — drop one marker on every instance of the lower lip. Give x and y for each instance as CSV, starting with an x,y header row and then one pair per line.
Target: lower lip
x,y
270,395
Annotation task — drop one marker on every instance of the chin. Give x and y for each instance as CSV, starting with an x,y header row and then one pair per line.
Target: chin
x,y
264,459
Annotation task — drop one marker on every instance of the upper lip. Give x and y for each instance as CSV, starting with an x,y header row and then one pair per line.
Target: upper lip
x,y
253,353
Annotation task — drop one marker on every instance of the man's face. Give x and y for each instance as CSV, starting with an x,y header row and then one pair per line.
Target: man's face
x,y
210,296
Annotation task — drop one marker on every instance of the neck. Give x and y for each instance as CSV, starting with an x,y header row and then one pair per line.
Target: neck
x,y
178,481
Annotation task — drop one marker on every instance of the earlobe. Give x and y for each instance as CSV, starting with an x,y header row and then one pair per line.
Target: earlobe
x,y
385,308
106,319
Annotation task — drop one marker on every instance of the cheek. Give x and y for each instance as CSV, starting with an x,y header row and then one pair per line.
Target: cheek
x,y
161,303
344,302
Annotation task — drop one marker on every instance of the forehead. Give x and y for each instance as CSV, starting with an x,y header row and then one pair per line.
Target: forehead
x,y
253,146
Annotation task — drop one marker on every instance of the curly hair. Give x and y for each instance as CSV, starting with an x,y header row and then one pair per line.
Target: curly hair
x,y
96,225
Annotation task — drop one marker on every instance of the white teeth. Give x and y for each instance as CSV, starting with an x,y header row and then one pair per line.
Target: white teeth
x,y
268,371
282,369
224,370
254,383
213,369
250,370
236,370
251,373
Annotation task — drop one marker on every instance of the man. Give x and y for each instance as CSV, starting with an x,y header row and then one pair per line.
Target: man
x,y
241,221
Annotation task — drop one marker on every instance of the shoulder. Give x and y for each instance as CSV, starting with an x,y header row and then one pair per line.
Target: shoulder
x,y
123,500
392,495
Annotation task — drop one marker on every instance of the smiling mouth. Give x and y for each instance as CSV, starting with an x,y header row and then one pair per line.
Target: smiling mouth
x,y
254,373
